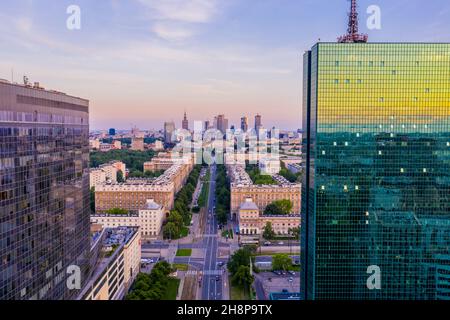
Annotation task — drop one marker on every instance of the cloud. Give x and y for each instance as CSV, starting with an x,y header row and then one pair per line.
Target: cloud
x,y
170,32
176,20
191,11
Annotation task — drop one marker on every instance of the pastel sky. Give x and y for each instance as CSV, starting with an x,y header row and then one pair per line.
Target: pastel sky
x,y
143,62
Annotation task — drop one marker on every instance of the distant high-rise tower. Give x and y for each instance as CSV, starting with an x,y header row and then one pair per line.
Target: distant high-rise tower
x,y
44,192
258,123
169,129
207,125
222,123
244,124
185,123
112,132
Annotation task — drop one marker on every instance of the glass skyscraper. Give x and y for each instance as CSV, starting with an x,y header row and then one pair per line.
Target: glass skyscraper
x,y
377,186
44,191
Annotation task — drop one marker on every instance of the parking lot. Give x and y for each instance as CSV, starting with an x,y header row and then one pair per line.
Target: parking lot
x,y
272,282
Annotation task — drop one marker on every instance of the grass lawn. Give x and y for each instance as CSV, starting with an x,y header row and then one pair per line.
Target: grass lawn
x,y
237,293
172,289
181,267
184,252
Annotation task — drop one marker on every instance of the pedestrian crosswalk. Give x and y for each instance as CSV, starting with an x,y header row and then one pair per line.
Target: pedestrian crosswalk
x,y
205,273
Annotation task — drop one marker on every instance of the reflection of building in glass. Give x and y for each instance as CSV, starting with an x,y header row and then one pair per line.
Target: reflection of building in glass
x,y
44,191
377,157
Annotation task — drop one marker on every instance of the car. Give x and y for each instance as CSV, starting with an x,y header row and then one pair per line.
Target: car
x,y
267,243
283,273
277,272
281,243
291,279
292,273
285,291
220,264
217,278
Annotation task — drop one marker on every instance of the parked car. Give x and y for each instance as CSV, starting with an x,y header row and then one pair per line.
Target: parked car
x,y
278,273
291,279
292,273
285,290
220,264
267,243
217,278
281,243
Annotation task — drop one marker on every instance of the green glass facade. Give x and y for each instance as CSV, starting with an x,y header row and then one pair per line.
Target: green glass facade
x,y
377,155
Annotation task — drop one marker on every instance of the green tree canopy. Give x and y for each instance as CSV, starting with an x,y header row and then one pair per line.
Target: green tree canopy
x,y
281,262
279,207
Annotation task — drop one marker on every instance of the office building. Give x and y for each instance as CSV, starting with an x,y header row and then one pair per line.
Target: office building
x,y
221,123
258,123
376,191
112,132
169,131
44,191
244,124
185,123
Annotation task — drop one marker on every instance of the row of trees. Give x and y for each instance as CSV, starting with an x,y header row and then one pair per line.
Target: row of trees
x,y
279,207
151,286
222,195
180,217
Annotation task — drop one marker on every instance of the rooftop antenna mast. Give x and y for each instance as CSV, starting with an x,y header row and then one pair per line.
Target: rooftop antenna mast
x,y
353,35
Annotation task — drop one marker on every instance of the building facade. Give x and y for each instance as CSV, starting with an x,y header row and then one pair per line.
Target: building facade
x,y
243,188
117,266
377,160
44,191
252,222
149,219
169,130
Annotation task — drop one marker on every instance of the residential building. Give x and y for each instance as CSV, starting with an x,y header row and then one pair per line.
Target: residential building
x,y
44,194
137,144
243,188
252,222
149,219
115,264
269,166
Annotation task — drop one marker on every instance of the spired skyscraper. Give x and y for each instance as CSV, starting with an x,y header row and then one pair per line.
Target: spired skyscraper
x,y
377,186
44,191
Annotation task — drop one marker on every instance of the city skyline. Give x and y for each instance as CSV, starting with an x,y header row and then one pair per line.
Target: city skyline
x,y
209,57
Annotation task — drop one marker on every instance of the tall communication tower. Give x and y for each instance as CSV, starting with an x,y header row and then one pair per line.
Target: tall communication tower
x,y
352,35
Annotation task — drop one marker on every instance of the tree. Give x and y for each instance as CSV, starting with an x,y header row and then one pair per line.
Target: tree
x,y
242,277
92,199
176,218
268,232
117,211
279,207
240,258
171,231
295,232
120,177
281,262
